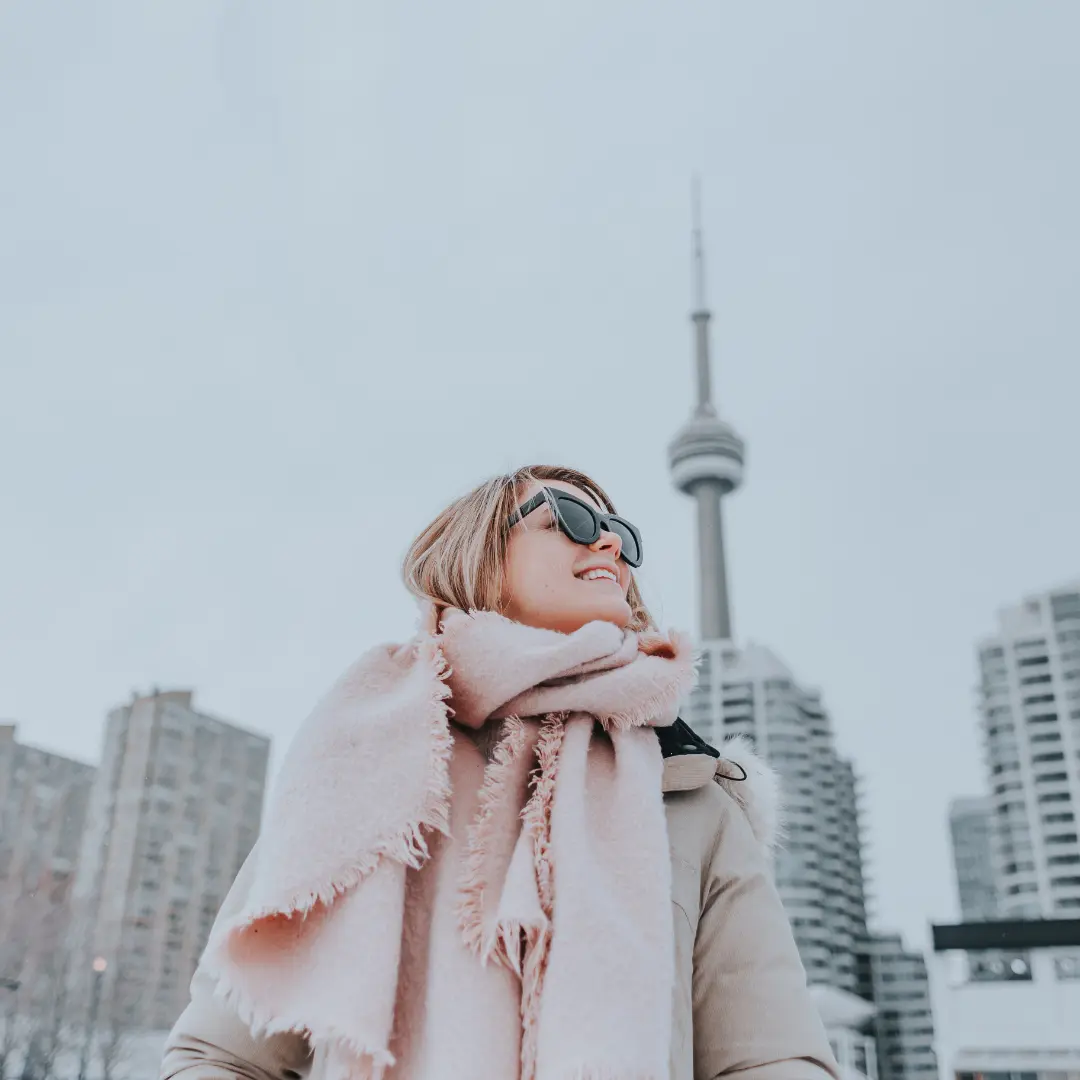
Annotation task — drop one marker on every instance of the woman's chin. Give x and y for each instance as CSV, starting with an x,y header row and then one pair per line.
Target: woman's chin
x,y
619,614
569,620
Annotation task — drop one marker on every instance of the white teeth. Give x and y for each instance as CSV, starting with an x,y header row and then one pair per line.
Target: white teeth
x,y
592,575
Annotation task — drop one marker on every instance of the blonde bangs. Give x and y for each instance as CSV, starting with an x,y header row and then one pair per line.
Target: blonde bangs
x,y
457,560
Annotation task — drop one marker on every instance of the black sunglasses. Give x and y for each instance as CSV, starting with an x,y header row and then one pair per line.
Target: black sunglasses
x,y
581,523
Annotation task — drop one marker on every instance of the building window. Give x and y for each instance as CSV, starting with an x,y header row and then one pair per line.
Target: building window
x,y
171,741
999,967
167,775
205,745
1065,606
256,762
1067,968
1046,736
1051,778
185,866
191,810
1019,867
1031,643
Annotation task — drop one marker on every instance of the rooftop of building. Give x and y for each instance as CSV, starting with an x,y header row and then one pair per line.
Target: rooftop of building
x,y
9,733
755,661
969,804
1018,620
186,700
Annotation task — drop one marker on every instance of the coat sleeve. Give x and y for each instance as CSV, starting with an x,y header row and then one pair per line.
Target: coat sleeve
x,y
210,1042
753,1013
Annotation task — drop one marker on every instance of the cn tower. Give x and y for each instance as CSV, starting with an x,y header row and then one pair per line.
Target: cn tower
x,y
706,462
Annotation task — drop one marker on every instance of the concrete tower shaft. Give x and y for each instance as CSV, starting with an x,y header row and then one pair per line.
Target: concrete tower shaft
x,y
706,461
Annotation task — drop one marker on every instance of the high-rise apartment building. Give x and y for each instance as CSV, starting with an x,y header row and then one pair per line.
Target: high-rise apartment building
x,y
819,873
970,821
903,1025
174,811
43,801
1030,705
748,690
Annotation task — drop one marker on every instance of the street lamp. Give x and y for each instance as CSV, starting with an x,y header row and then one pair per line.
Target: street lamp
x,y
99,966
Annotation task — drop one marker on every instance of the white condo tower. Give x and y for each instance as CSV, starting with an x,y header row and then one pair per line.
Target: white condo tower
x,y
1030,704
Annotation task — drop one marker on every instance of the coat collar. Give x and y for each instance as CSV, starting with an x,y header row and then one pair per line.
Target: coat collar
x,y
687,772
690,763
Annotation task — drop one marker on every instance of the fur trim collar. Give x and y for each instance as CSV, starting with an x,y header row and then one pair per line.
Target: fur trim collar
x,y
758,795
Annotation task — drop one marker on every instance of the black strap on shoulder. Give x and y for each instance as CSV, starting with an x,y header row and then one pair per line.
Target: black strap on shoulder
x,y
681,738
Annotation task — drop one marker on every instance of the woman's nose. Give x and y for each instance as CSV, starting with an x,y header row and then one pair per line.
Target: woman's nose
x,y
608,541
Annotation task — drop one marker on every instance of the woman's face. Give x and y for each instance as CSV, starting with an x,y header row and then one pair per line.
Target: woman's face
x,y
543,576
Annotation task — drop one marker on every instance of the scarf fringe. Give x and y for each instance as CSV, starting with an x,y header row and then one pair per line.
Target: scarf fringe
x,y
435,814
408,846
669,693
537,812
372,1062
470,908
537,944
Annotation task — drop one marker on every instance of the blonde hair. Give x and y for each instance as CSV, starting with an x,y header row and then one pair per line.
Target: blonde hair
x,y
457,561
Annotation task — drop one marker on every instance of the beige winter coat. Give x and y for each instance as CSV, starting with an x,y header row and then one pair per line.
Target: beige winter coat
x,y
740,1006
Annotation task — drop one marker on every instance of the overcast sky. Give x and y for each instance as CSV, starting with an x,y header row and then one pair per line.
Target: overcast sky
x,y
278,280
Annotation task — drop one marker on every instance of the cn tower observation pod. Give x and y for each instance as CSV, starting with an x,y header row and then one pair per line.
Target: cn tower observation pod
x,y
706,449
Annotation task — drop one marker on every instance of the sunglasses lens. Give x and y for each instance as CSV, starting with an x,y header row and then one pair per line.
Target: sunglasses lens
x,y
579,520
580,523
631,549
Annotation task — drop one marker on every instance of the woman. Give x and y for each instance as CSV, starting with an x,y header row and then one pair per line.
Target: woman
x,y
495,852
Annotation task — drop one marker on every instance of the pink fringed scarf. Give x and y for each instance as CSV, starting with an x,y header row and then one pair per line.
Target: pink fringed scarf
x,y
422,910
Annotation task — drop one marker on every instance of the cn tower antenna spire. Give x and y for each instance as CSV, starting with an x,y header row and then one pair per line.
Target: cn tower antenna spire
x,y
699,248
706,457
701,314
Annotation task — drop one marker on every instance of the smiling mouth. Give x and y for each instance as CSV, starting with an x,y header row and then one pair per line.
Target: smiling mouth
x,y
598,575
